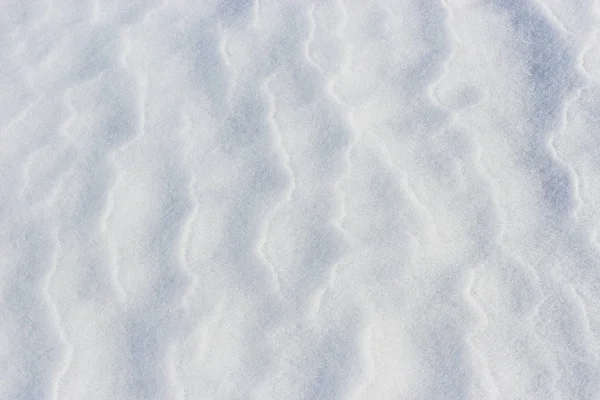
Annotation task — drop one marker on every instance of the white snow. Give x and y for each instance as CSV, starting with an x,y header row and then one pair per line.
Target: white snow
x,y
300,199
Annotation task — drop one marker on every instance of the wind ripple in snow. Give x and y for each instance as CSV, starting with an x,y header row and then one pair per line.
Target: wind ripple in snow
x,y
334,200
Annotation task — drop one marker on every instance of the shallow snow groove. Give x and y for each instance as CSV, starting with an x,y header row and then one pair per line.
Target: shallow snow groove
x,y
268,199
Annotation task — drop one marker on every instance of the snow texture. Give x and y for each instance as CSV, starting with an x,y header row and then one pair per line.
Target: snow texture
x,y
300,199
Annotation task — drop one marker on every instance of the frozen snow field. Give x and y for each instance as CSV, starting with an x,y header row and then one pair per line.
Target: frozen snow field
x,y
299,199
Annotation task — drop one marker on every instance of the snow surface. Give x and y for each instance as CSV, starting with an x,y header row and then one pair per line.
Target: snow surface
x,y
269,199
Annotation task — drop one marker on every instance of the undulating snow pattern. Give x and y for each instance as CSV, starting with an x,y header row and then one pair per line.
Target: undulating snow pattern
x,y
268,199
